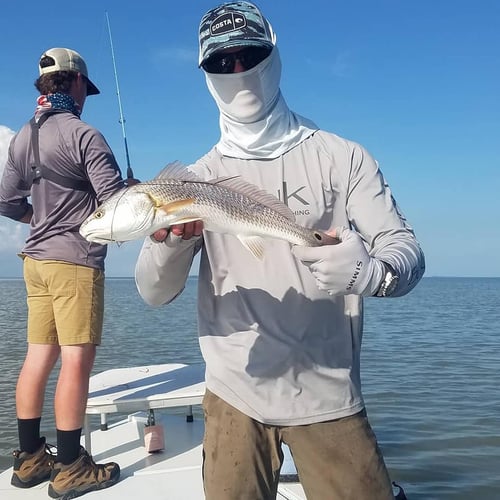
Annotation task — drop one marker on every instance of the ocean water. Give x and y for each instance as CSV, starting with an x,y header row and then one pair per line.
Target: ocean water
x,y
430,370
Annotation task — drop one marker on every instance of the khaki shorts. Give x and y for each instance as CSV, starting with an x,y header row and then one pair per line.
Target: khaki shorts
x,y
335,460
65,302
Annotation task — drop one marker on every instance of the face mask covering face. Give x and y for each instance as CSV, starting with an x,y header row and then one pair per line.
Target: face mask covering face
x,y
249,96
254,118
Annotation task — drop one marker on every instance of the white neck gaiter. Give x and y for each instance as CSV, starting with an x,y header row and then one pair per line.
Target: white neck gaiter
x,y
255,121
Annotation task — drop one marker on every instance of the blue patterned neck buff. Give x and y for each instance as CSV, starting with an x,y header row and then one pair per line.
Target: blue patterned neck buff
x,y
57,101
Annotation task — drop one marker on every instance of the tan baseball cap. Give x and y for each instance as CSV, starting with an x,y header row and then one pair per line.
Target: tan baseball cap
x,y
67,60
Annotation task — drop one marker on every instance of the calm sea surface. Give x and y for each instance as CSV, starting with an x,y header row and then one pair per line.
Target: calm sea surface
x,y
430,367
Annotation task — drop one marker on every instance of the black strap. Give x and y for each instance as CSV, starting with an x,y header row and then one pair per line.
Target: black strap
x,y
40,170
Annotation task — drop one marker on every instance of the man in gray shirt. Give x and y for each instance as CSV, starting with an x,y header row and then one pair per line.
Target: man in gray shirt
x,y
65,168
281,337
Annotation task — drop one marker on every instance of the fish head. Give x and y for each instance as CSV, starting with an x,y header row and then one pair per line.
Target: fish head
x,y
125,216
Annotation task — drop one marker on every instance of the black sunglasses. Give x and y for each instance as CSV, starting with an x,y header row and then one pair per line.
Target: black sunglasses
x,y
248,57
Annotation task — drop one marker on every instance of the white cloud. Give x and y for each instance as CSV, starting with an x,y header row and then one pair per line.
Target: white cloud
x,y
12,234
340,65
175,54
12,238
6,135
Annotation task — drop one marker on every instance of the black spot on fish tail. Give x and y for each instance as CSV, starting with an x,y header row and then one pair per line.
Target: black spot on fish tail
x,y
325,239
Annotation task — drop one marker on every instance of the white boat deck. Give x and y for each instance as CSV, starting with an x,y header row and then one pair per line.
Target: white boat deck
x,y
126,390
172,474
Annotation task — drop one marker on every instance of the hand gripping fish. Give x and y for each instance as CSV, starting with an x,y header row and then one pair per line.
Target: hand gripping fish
x,y
176,196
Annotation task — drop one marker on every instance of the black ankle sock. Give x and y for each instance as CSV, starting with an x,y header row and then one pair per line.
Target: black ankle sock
x,y
68,445
29,434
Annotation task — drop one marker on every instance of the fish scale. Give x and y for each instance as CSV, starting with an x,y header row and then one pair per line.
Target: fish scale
x,y
219,204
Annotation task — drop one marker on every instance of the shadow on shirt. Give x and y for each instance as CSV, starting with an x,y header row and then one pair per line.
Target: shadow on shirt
x,y
295,333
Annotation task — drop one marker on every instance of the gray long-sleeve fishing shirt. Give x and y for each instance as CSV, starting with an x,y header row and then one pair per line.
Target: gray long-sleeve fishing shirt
x,y
73,149
276,347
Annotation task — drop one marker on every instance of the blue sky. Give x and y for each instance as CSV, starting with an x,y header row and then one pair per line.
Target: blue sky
x,y
415,82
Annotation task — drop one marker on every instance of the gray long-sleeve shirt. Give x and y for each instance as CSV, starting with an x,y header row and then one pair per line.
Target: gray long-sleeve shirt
x,y
276,347
73,149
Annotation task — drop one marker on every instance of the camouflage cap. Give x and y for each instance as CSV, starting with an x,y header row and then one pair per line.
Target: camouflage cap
x,y
233,24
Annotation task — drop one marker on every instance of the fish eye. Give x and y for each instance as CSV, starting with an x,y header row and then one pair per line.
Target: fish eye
x,y
318,236
99,214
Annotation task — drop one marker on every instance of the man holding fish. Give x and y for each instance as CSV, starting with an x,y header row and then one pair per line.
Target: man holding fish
x,y
281,334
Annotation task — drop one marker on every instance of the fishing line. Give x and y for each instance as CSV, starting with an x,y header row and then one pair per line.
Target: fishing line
x,y
130,173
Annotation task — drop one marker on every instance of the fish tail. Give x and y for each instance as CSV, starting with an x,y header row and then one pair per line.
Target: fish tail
x,y
324,238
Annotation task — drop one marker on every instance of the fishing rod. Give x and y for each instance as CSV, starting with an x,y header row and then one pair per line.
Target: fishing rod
x,y
130,173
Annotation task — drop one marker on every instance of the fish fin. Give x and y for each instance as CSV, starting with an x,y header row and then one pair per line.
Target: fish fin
x,y
254,244
225,180
176,206
178,171
184,220
259,195
171,209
